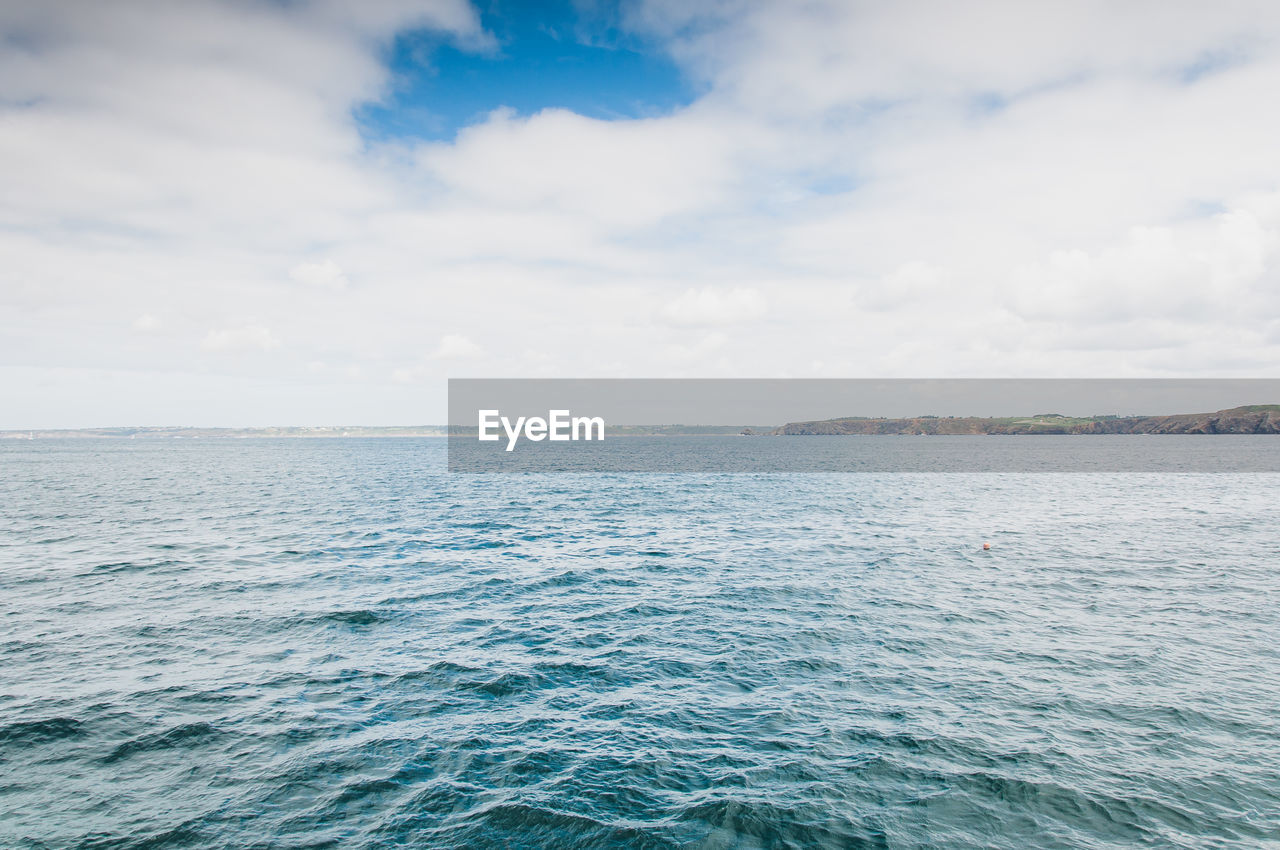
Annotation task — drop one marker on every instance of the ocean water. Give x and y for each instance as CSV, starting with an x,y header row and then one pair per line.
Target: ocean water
x,y
333,643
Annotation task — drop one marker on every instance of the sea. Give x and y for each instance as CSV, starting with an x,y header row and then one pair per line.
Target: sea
x,y
315,643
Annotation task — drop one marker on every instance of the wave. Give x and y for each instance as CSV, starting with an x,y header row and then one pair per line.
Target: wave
x,y
182,736
26,732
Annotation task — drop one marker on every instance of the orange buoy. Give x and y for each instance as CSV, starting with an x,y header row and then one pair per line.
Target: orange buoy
x,y
986,547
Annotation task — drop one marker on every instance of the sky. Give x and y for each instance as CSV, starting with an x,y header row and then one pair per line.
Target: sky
x,y
238,213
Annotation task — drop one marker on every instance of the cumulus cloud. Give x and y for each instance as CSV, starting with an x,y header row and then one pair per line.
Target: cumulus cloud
x,y
245,338
455,347
322,275
709,306
1214,268
450,350
616,174
698,352
911,282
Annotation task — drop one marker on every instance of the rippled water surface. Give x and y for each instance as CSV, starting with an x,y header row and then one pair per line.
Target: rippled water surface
x,y
332,643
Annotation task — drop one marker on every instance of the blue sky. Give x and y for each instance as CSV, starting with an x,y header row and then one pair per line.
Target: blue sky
x,y
547,55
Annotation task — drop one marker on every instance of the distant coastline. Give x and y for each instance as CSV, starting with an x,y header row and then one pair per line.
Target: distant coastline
x,y
331,431
1247,419
188,432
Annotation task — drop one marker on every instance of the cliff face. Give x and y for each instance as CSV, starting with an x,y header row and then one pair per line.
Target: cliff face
x,y
1254,419
1257,419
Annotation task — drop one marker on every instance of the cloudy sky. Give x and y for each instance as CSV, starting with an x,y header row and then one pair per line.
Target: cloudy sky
x,y
225,212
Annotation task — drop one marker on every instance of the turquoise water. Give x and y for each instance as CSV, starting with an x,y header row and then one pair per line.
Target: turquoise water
x,y
331,643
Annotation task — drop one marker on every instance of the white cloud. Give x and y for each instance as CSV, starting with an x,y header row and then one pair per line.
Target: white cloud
x,y
322,275
451,349
617,175
1195,272
146,323
245,338
910,283
708,306
455,347
698,352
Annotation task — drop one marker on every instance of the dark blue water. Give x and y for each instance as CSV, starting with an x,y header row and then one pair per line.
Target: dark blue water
x,y
332,643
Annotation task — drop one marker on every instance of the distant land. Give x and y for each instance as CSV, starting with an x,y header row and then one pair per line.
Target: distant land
x,y
329,431
190,433
1249,419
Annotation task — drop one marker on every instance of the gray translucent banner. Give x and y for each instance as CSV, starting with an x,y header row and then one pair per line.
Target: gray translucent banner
x,y
947,425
